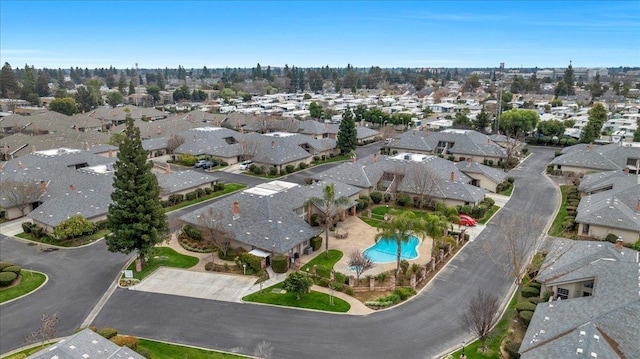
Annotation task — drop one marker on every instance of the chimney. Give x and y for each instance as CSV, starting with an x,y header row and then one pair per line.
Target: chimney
x,y
488,141
195,137
86,146
273,144
619,243
110,153
453,176
236,210
469,162
159,130
33,149
626,170
589,146
72,188
20,165
43,186
167,169
375,157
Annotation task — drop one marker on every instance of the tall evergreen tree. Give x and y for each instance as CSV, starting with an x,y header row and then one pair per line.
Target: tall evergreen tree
x,y
347,135
597,118
42,85
9,85
122,83
136,218
569,79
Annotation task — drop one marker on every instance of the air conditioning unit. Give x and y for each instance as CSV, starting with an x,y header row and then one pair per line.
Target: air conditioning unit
x,y
308,250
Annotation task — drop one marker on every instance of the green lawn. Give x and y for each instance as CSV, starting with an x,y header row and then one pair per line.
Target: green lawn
x,y
228,188
159,350
163,257
313,300
489,214
499,332
556,228
324,265
30,282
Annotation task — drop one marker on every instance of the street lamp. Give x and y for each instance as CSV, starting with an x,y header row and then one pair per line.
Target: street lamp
x,y
463,356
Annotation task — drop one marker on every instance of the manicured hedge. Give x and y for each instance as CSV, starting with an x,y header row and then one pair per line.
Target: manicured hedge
x,y
525,305
534,285
536,300
108,332
4,265
526,316
316,243
6,278
530,292
376,197
14,269
254,262
279,264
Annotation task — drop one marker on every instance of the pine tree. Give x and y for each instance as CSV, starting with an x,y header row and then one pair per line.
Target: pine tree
x,y
569,79
136,218
347,135
9,85
597,118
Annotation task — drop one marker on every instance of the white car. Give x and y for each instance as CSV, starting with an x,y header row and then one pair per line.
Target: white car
x,y
245,165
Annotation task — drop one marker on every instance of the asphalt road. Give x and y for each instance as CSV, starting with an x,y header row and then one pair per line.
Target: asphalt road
x,y
422,328
77,279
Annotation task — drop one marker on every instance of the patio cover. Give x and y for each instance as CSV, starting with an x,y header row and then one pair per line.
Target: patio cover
x,y
259,253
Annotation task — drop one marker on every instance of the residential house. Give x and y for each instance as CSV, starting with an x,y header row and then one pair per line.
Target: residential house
x,y
583,158
272,217
481,175
610,204
461,144
85,344
417,175
594,307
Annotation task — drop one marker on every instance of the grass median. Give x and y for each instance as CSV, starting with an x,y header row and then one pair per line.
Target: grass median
x,y
30,281
275,295
163,257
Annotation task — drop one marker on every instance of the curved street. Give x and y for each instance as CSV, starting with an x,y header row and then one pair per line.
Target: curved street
x,y
426,326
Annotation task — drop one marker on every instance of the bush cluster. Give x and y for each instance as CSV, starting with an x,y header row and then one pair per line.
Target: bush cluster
x,y
253,262
526,316
404,293
108,332
376,197
8,273
126,340
525,305
528,292
74,227
192,232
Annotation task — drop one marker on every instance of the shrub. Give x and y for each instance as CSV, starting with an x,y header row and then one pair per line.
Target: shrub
x,y
466,209
361,204
126,340
208,190
273,171
289,168
4,265
315,220
530,292
525,305
74,227
526,316
6,278
490,162
316,242
187,159
387,197
534,285
279,264
192,232
254,262
489,202
611,238
257,170
338,286
37,232
451,158
535,300
302,165
376,197
511,179
512,350
14,269
26,227
108,332
404,293
403,200
349,291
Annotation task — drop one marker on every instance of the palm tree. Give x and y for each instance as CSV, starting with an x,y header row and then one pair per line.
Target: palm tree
x,y
328,204
400,228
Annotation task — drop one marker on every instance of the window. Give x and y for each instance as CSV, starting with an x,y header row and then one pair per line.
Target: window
x,y
586,294
588,285
563,293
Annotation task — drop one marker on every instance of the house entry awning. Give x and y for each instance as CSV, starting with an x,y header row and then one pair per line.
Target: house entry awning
x,y
259,253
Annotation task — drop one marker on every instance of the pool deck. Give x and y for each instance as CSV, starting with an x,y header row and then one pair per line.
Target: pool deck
x,y
361,236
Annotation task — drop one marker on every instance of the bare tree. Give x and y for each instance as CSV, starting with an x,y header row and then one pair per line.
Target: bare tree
x,y
213,231
20,193
265,124
250,148
359,262
514,245
174,142
481,315
47,330
422,181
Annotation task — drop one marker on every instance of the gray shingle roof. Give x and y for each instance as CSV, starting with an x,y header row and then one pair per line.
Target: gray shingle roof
x,y
616,207
498,176
269,222
465,142
606,323
86,344
600,158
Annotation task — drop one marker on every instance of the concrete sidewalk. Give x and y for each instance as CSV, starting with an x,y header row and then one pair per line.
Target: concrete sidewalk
x,y
14,227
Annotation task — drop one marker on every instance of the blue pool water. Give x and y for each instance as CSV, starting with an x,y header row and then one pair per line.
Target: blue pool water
x,y
386,251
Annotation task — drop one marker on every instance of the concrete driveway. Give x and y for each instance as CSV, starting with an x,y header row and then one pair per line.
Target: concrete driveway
x,y
218,286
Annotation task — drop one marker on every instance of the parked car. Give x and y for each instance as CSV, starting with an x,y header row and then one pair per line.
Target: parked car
x,y
200,163
466,220
209,164
245,165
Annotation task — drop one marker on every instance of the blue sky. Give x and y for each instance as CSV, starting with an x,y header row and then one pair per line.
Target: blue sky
x,y
306,33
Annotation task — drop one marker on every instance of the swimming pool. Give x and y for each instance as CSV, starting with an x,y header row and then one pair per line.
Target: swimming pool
x,y
386,251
